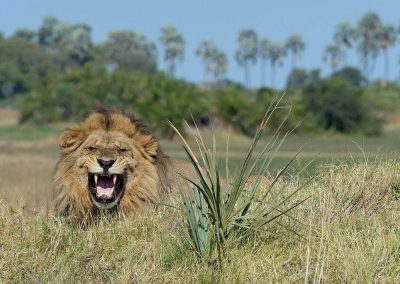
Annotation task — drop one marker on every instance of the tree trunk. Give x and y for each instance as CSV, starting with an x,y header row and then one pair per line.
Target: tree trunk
x,y
247,74
273,70
344,58
386,64
334,64
205,74
372,67
365,67
263,72
171,68
294,59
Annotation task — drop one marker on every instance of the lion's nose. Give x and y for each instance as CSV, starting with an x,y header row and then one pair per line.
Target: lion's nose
x,y
105,164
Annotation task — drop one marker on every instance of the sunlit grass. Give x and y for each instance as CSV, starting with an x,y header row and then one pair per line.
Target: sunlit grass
x,y
351,233
350,226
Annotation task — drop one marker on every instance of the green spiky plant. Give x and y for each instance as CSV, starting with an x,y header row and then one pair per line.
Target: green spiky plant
x,y
215,217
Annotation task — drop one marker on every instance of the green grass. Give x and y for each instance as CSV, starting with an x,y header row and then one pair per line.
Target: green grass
x,y
28,133
350,234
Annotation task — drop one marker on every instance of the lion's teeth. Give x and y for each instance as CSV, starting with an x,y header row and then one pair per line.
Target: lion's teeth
x,y
95,178
114,179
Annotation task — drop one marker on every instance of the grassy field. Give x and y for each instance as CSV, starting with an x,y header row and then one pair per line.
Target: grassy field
x,y
349,227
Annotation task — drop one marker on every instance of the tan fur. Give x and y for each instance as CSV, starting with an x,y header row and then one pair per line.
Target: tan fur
x,y
149,173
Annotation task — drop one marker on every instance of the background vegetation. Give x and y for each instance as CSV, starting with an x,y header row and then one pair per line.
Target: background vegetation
x,y
57,73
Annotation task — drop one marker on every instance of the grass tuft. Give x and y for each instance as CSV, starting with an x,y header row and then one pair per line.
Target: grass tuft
x,y
218,215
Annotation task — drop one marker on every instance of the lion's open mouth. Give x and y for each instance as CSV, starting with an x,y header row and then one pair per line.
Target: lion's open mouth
x,y
105,189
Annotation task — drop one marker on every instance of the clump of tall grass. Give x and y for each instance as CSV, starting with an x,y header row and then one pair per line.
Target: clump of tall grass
x,y
218,213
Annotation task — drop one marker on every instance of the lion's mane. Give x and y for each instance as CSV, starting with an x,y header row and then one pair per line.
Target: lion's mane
x,y
146,185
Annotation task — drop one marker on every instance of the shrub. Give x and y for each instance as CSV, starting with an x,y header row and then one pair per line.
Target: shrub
x,y
22,66
169,99
351,75
299,78
215,217
244,109
154,99
236,108
338,105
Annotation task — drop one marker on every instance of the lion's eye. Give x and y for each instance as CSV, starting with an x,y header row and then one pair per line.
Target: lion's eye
x,y
92,149
122,150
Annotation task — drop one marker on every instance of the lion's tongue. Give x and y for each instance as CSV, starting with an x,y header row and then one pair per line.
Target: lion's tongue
x,y
104,187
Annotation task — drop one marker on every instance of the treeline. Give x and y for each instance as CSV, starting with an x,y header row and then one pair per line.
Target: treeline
x,y
338,103
71,45
58,73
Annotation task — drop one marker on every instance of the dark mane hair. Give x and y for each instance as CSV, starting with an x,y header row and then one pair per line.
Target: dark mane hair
x,y
107,112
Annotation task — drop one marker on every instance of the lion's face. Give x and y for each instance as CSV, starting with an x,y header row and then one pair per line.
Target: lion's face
x,y
105,164
108,160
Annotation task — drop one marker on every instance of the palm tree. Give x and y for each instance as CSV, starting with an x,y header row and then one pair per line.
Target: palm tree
x,y
344,36
333,54
205,51
220,65
174,46
295,45
263,52
368,46
387,36
215,61
246,54
276,53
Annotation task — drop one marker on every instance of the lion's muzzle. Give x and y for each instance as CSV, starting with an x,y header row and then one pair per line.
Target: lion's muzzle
x,y
105,164
105,189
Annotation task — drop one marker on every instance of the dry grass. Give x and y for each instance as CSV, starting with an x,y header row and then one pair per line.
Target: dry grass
x,y
8,117
350,228
25,181
351,233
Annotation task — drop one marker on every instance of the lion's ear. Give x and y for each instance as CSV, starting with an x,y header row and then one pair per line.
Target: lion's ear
x,y
71,139
150,146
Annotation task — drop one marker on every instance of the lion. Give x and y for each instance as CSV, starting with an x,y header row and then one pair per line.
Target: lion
x,y
111,162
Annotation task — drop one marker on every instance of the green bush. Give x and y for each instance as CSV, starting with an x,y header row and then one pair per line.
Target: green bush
x,y
22,66
244,110
338,105
383,99
236,108
38,106
169,99
351,75
292,114
330,104
70,97
155,99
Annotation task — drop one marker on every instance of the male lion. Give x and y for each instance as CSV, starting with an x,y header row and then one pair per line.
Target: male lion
x,y
111,161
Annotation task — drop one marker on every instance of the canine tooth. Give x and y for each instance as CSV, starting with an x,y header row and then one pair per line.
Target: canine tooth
x,y
114,179
95,178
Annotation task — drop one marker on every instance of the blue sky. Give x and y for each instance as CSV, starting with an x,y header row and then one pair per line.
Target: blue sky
x,y
220,20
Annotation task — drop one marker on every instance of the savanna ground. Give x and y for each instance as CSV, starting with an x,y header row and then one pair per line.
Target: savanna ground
x,y
347,231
